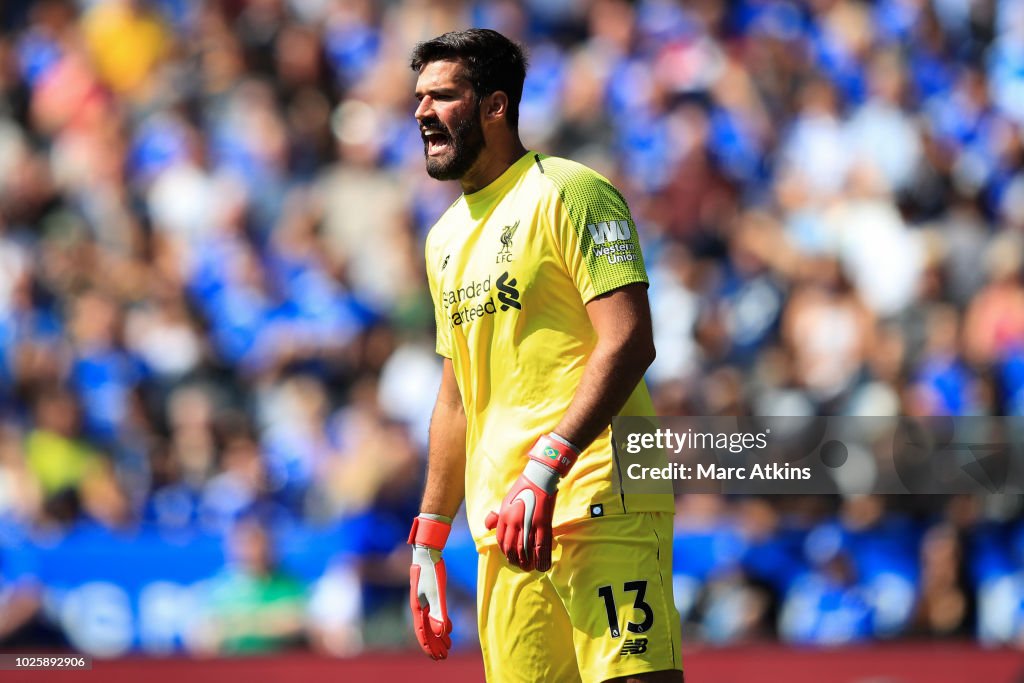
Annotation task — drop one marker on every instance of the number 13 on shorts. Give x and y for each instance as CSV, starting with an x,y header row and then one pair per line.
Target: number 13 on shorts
x,y
623,602
640,589
608,597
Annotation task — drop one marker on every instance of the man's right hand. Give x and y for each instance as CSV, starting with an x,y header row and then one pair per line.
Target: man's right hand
x,y
427,584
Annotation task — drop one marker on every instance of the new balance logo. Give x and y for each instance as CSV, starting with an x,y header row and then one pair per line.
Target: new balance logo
x,y
508,295
609,231
634,646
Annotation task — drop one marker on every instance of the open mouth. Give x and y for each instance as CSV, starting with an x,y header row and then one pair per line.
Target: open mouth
x,y
436,141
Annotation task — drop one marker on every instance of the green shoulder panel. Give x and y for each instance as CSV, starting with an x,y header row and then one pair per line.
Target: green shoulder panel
x,y
601,219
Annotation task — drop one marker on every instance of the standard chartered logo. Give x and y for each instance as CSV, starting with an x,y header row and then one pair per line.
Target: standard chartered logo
x,y
471,307
470,290
508,295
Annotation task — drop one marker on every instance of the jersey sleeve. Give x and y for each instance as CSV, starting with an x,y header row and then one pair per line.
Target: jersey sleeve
x,y
443,345
595,233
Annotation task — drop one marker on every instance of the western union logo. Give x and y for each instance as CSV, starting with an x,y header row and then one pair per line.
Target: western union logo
x,y
609,231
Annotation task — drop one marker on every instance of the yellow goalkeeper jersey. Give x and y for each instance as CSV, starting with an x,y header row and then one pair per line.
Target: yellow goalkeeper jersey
x,y
511,268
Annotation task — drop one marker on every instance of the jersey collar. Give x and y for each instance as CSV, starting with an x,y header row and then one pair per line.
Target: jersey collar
x,y
500,184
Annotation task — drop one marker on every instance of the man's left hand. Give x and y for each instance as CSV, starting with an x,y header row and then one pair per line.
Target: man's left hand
x,y
523,522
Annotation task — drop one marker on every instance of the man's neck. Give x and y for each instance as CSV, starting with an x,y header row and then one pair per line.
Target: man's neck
x,y
490,165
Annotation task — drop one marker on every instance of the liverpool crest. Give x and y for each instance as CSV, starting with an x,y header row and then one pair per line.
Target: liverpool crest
x,y
505,253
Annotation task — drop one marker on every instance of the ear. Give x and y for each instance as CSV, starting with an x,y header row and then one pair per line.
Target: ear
x,y
495,106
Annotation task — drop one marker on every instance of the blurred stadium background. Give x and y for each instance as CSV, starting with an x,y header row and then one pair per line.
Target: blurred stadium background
x,y
216,345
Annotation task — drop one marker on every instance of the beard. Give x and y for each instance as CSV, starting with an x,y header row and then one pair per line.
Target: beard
x,y
465,142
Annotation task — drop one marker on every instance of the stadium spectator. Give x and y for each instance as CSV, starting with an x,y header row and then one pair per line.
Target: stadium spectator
x,y
253,606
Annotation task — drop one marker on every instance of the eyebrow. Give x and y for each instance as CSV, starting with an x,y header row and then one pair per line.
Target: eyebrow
x,y
435,91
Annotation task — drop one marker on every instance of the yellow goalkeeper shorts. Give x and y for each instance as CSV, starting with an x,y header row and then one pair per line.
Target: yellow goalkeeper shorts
x,y
603,610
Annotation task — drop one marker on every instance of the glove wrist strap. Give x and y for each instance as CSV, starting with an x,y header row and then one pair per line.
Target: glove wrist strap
x,y
556,453
429,533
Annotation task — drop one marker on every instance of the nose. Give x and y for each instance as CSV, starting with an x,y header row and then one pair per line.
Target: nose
x,y
423,109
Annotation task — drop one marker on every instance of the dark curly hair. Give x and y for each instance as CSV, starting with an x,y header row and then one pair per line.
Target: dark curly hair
x,y
492,62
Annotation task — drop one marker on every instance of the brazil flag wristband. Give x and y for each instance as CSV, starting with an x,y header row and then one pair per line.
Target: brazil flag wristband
x,y
555,452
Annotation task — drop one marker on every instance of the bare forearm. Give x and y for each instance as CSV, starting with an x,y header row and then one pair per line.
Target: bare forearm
x,y
611,375
624,351
446,463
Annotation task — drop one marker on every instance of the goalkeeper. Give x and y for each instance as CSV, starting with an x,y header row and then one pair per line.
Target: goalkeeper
x,y
540,297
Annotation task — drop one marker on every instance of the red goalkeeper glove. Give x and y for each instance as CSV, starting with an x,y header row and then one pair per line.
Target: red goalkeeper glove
x,y
427,584
524,521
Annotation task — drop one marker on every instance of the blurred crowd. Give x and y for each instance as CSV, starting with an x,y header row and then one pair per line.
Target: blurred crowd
x,y
213,303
